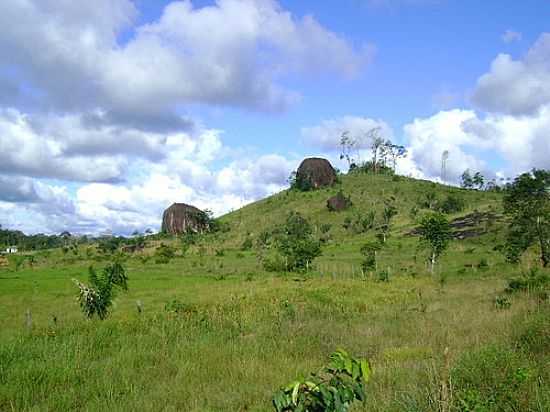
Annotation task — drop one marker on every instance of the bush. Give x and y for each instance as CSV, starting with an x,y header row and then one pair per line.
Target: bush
x,y
164,253
452,204
247,244
531,281
369,251
176,306
274,263
97,298
333,389
296,243
494,378
533,333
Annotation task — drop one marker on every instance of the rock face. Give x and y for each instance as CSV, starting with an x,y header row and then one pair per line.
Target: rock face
x,y
338,202
181,218
315,173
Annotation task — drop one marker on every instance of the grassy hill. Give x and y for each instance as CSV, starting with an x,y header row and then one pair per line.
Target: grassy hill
x,y
216,332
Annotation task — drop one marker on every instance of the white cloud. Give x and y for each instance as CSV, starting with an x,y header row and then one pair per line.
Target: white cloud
x,y
518,142
511,36
517,87
428,138
24,151
230,53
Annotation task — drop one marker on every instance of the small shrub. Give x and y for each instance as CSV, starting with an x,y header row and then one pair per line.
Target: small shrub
x,y
452,204
383,276
176,306
493,378
531,281
483,264
97,297
533,333
247,244
220,252
369,251
164,253
333,389
502,302
274,263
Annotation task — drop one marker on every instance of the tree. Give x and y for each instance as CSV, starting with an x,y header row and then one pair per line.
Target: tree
x,y
478,180
369,251
395,152
297,244
377,142
527,202
387,215
466,180
435,232
97,297
349,144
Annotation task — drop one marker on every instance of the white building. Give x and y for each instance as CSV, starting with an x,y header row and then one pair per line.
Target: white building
x,y
11,249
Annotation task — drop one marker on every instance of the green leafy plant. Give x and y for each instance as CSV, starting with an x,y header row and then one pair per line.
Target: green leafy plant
x,y
502,302
296,244
369,251
333,389
97,297
164,253
527,203
247,244
531,281
435,232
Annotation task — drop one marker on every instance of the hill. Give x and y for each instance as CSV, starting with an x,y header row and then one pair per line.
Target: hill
x,y
204,327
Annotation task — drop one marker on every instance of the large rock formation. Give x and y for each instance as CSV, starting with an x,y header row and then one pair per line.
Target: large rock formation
x,y
339,202
181,218
315,173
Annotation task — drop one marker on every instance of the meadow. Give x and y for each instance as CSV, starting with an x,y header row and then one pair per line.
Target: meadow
x,y
212,330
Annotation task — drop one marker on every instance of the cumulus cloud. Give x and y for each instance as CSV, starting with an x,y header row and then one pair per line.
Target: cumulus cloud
x,y
519,143
517,87
230,53
428,138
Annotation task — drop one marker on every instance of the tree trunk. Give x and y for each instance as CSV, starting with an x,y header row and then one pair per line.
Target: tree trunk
x,y
432,261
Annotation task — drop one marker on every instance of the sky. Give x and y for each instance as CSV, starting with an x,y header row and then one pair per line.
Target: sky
x,y
112,110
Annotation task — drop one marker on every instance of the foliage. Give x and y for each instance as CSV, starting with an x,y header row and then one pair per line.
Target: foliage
x,y
178,307
274,263
387,215
109,245
164,253
493,378
369,250
527,203
97,297
531,281
333,389
435,232
299,182
502,302
452,204
533,333
297,244
247,244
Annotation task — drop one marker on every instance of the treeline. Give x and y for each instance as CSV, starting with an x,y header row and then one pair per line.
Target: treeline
x,y
32,242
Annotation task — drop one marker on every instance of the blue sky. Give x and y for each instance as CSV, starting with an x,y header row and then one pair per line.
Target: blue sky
x,y
112,110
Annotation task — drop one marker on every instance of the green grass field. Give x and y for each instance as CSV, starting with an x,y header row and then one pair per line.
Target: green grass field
x,y
240,332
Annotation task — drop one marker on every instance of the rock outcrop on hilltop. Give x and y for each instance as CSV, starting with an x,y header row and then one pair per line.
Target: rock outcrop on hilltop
x,y
182,218
315,173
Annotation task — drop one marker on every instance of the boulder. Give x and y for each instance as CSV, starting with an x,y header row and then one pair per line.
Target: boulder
x,y
182,218
315,173
338,203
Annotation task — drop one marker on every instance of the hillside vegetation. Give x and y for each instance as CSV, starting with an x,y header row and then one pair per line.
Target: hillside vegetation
x,y
206,325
